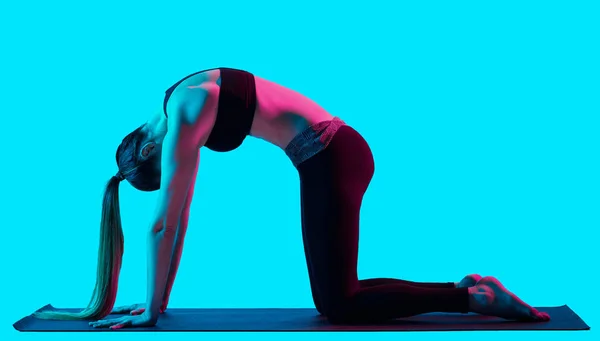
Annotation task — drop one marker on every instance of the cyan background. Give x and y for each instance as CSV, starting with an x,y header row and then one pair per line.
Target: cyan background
x,y
483,118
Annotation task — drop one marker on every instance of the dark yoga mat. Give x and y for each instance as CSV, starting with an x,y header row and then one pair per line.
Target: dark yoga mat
x,y
228,320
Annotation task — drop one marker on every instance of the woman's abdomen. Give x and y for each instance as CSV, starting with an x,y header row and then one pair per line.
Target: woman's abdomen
x,y
282,113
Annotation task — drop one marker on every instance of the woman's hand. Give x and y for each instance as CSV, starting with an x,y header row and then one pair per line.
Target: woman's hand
x,y
135,309
142,320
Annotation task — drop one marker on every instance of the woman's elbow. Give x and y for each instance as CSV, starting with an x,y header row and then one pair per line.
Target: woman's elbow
x,y
164,229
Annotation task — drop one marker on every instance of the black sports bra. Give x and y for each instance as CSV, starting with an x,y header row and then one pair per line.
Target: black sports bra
x,y
235,113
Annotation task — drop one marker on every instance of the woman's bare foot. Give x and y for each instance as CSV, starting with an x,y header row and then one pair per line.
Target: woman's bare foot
x,y
468,281
490,297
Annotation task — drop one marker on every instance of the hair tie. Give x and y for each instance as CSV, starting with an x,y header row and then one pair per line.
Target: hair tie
x,y
120,176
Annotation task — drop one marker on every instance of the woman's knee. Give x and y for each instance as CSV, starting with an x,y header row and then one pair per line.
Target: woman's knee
x,y
341,311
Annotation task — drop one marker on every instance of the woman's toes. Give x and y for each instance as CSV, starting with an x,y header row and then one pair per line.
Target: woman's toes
x,y
468,281
540,316
476,277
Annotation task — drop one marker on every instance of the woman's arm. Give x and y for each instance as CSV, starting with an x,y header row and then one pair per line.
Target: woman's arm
x,y
179,238
177,174
192,114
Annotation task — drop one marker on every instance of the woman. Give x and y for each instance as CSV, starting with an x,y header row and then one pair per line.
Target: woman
x,y
217,109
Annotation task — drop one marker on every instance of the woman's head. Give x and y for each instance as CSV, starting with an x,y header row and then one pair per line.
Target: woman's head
x,y
138,158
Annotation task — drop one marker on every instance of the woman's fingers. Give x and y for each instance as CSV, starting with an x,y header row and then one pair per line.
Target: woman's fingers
x,y
138,311
118,310
112,323
125,309
121,324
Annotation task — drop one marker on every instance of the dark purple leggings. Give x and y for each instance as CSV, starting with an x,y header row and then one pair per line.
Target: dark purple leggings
x,y
333,183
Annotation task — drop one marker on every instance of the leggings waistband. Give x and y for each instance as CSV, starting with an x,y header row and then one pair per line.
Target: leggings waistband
x,y
312,140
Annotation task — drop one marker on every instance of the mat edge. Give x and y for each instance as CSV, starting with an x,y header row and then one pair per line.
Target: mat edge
x,y
17,325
